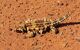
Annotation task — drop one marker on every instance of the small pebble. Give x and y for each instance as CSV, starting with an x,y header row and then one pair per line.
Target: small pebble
x,y
10,29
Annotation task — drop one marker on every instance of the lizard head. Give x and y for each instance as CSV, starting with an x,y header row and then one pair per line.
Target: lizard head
x,y
21,29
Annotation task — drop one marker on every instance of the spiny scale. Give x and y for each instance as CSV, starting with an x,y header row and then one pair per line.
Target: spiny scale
x,y
33,27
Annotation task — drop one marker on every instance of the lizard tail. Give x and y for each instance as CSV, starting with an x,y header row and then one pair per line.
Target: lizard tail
x,y
61,19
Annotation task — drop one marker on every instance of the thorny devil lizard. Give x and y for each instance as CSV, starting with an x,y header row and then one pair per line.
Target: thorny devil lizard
x,y
41,26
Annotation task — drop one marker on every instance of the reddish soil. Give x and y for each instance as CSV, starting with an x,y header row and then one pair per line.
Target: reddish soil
x,y
14,11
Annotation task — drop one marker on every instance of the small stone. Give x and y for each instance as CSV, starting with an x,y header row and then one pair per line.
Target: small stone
x,y
0,33
10,29
77,38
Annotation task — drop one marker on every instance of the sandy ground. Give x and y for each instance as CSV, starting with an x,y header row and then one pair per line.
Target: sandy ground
x,y
14,11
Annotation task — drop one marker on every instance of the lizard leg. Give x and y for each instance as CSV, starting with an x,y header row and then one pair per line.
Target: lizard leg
x,y
41,31
53,29
30,34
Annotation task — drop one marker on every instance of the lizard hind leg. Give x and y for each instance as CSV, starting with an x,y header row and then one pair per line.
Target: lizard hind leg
x,y
54,30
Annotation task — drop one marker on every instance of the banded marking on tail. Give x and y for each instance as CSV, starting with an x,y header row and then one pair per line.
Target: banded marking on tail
x,y
61,19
